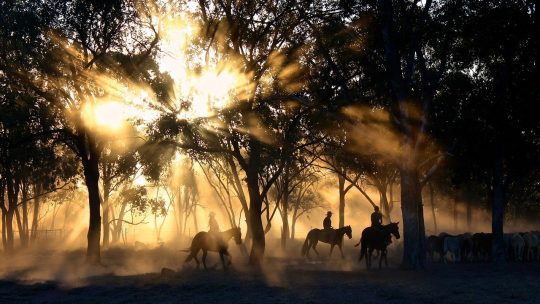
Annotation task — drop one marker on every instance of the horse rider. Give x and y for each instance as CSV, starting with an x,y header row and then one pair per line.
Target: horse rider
x,y
213,229
213,226
327,224
376,222
376,218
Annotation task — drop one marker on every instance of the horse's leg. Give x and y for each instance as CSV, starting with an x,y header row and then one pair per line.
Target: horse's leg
x,y
189,258
204,253
230,258
380,259
341,251
331,249
197,260
194,254
367,258
370,254
386,258
222,260
315,248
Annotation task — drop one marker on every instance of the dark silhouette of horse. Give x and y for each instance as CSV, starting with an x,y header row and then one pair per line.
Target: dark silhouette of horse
x,y
377,239
334,237
206,241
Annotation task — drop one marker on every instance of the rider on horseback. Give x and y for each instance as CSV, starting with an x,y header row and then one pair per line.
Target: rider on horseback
x,y
213,229
213,226
327,224
376,218
376,222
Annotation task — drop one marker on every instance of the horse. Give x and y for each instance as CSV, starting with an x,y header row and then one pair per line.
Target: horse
x,y
377,240
217,242
335,237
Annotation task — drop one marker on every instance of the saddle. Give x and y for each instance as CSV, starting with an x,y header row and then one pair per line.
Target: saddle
x,y
327,234
377,233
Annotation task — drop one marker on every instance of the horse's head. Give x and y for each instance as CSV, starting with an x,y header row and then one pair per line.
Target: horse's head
x,y
394,229
237,235
348,231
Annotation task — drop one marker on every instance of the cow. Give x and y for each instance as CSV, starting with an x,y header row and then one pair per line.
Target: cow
x,y
452,246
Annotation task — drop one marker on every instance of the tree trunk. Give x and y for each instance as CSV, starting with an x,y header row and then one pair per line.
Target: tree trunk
x,y
241,195
499,201
13,193
4,211
9,232
18,218
469,214
285,211
24,205
118,222
455,214
180,214
255,221
341,184
195,223
432,203
4,233
91,176
106,212
385,207
293,224
35,214
285,220
413,226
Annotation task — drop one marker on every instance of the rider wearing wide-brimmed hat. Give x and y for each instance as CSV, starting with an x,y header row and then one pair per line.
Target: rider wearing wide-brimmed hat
x,y
327,222
376,218
213,226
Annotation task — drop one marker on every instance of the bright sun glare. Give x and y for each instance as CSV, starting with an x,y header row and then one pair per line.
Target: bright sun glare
x,y
110,115
207,90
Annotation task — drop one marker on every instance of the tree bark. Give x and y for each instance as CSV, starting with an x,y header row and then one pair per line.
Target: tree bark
x,y
499,201
469,211
455,216
413,226
432,203
106,211
385,207
255,221
293,223
91,176
25,235
35,214
341,186
4,211
285,215
13,193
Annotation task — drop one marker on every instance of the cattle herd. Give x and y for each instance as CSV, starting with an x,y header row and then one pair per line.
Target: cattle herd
x,y
467,247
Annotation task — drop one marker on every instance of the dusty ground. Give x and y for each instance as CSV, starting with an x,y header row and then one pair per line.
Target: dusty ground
x,y
133,276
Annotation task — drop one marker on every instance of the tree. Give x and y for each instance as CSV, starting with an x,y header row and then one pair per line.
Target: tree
x,y
256,128
76,67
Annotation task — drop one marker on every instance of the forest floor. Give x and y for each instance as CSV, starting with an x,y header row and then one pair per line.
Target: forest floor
x,y
133,275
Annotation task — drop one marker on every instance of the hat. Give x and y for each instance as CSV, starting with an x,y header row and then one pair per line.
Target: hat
x,y
212,213
329,213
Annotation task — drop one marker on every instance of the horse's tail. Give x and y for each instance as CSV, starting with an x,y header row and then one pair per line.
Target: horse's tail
x,y
363,248
305,246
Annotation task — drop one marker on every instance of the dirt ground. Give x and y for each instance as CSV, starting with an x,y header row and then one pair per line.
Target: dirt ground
x,y
134,276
